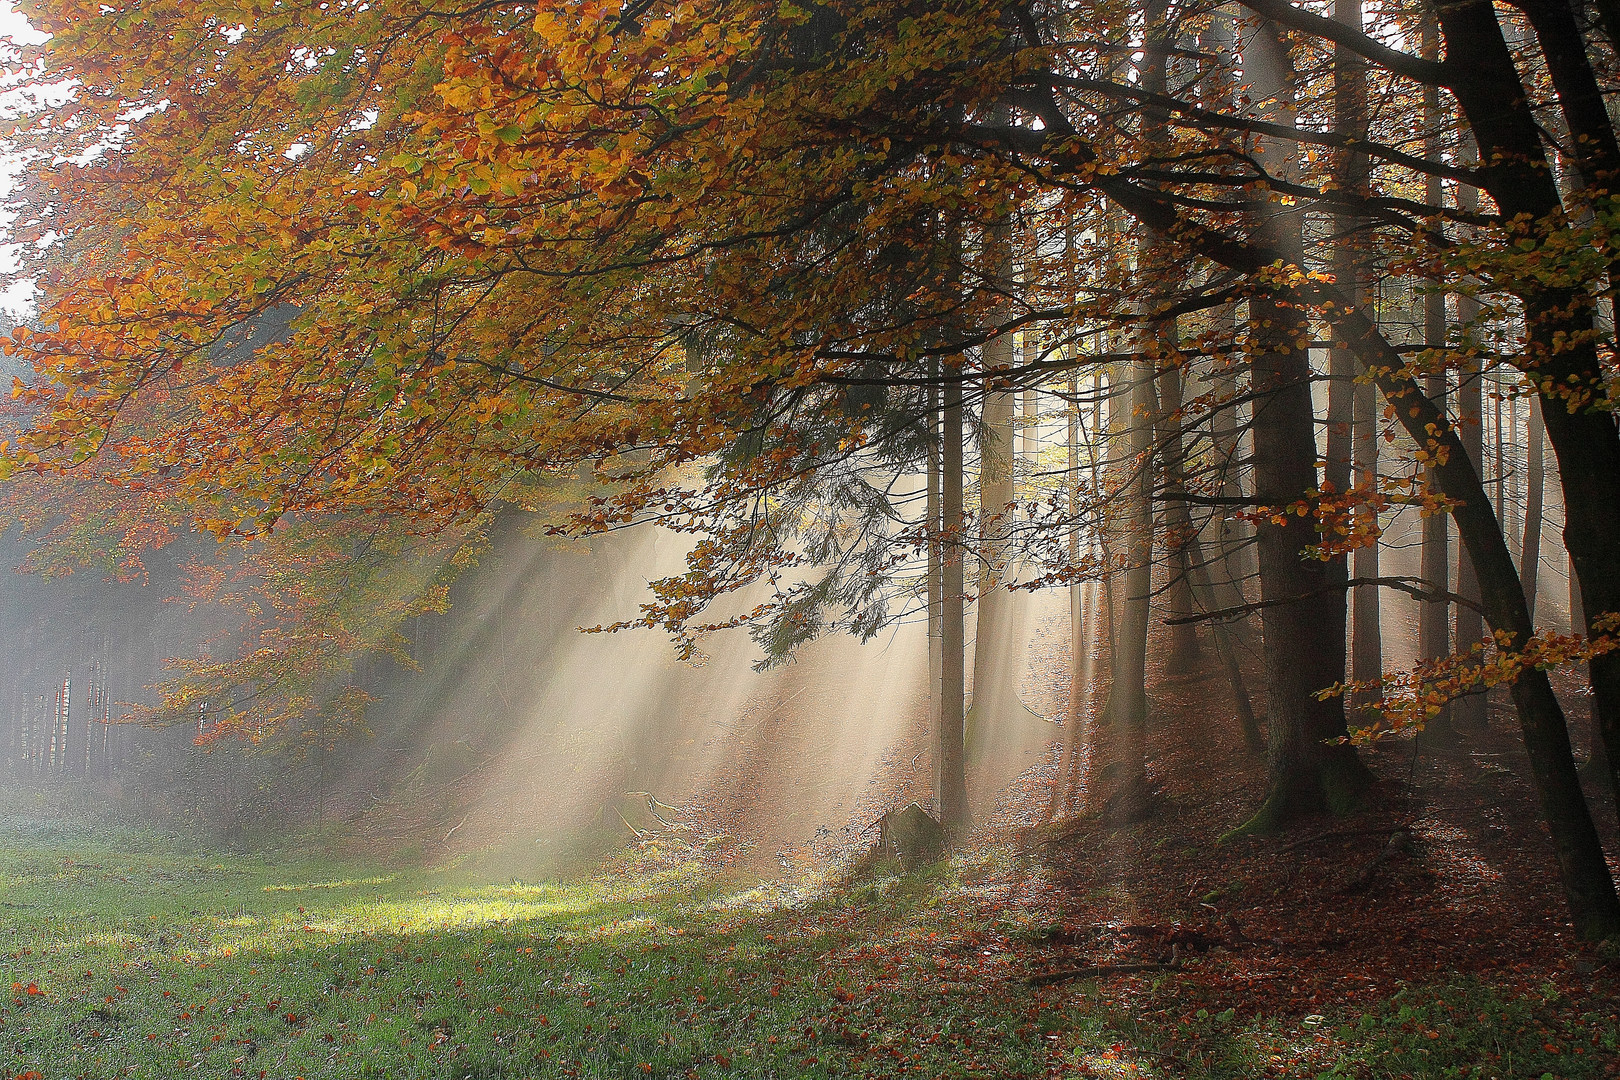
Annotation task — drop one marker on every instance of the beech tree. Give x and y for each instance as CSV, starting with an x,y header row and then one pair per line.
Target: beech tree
x,y
502,230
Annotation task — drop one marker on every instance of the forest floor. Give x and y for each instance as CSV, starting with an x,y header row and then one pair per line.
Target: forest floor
x,y
1422,936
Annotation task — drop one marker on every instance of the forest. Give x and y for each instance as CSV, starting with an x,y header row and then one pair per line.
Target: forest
x,y
774,538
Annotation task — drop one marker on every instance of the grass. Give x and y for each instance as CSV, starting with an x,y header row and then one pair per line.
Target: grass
x,y
126,954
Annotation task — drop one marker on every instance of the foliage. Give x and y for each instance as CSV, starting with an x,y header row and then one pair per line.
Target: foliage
x,y
1407,700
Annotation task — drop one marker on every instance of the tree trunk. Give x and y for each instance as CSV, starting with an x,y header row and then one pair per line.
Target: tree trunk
x,y
1493,100
1351,404
951,766
1303,624
1535,480
932,532
1349,120
1179,529
1469,625
1434,616
1062,789
994,686
1128,692
1561,353
1597,758
1234,537
1499,448
1514,522
1588,887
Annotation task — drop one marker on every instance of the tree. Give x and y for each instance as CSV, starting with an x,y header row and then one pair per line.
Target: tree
x,y
498,275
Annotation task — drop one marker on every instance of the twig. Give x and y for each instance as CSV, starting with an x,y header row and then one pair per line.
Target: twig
x,y
452,831
1411,586
1364,879
637,833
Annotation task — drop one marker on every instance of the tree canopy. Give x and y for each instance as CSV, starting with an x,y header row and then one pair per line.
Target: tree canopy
x,y
741,265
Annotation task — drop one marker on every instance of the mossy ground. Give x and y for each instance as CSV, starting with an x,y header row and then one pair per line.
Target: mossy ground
x,y
127,954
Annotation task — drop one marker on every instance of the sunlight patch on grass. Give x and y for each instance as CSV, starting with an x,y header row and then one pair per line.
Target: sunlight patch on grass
x,y
371,918
346,883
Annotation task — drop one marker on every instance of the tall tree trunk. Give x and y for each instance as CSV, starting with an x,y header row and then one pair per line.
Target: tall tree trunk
x,y
1514,523
1128,704
1061,794
951,767
1303,622
994,686
1351,404
1469,625
1113,427
1434,616
1102,424
1499,444
1234,536
1367,654
1535,480
934,590
1179,529
1128,691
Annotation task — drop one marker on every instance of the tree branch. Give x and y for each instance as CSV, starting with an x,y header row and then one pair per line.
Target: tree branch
x,y
1419,70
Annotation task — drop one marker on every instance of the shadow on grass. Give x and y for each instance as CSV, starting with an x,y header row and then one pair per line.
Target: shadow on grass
x,y
158,963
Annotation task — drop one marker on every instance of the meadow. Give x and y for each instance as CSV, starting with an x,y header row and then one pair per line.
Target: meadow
x,y
132,954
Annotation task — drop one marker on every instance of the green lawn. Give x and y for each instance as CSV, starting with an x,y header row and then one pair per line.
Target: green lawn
x,y
129,955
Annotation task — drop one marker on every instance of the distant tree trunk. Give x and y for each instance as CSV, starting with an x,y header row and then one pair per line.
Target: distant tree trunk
x,y
992,684
1194,563
1102,423
1128,691
1499,446
1029,432
60,730
1179,529
1367,655
1128,704
1535,480
1233,535
1112,429
951,767
1350,121
1597,757
1596,765
18,743
1103,419
932,532
1515,478
1062,787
